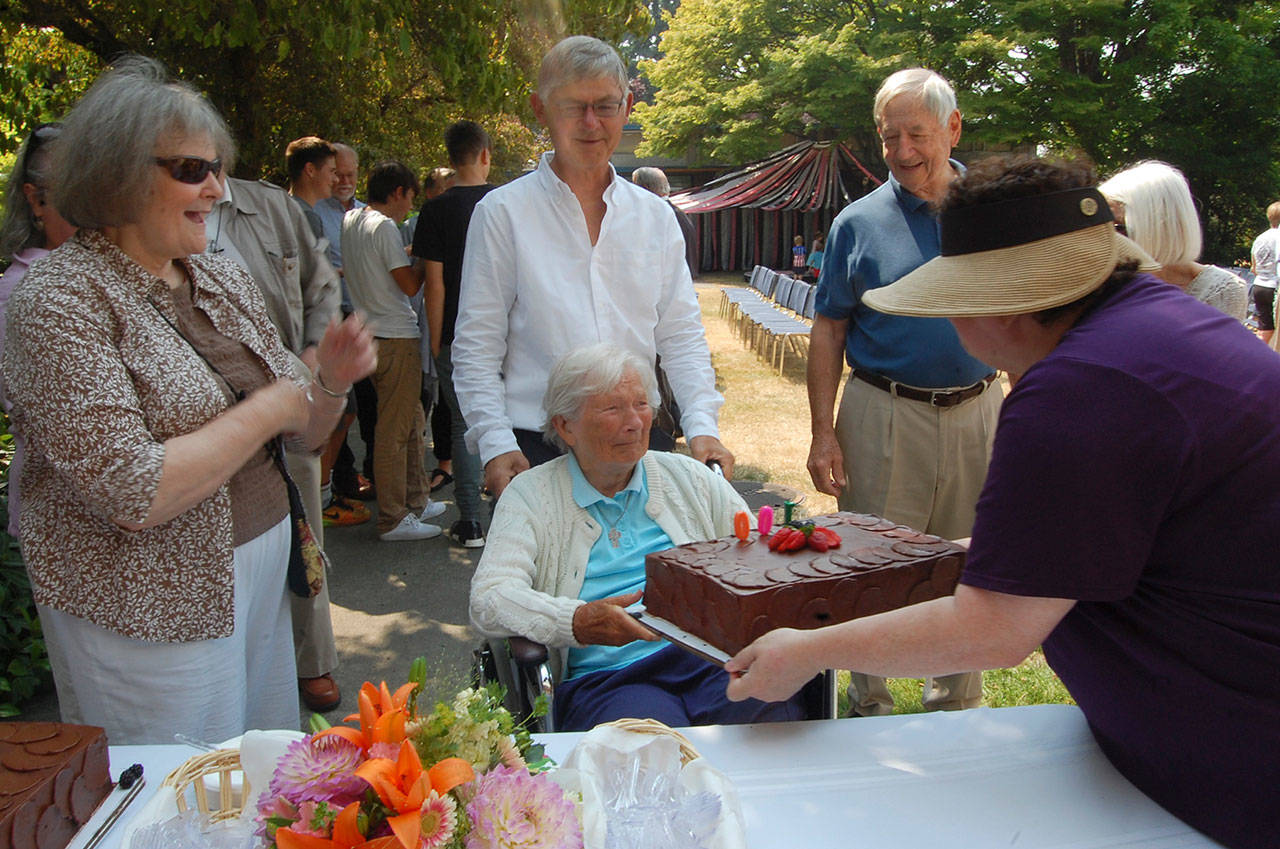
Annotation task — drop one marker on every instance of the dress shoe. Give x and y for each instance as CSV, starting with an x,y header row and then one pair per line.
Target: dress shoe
x,y
320,694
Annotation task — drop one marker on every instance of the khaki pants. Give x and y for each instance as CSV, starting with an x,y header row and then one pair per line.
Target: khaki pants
x,y
921,466
399,444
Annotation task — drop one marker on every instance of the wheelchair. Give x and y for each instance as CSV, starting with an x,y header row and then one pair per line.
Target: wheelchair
x,y
522,667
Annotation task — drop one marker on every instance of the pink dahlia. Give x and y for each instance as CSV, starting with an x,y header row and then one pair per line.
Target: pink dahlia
x,y
515,810
318,770
439,819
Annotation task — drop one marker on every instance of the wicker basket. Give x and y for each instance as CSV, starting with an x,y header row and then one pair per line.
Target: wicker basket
x,y
654,727
217,770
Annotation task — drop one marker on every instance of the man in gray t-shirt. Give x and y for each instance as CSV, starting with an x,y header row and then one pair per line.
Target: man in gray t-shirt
x,y
381,280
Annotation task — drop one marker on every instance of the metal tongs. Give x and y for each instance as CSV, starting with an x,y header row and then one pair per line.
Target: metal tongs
x,y
132,782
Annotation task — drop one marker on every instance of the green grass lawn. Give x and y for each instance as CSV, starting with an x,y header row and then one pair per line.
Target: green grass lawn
x,y
1031,682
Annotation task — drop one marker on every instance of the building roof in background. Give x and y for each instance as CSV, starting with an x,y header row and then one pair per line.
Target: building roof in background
x,y
804,177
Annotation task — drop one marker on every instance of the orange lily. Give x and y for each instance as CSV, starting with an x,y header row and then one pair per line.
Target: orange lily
x,y
346,835
382,716
403,785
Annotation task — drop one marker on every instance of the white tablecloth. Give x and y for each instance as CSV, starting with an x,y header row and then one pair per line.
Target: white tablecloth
x,y
1020,777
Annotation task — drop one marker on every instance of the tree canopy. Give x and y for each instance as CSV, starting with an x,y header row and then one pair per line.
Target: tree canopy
x,y
385,76
1193,82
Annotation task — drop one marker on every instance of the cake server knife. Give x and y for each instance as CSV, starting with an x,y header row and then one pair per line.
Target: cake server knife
x,y
131,793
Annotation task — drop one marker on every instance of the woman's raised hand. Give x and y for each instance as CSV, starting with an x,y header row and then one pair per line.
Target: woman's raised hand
x,y
346,354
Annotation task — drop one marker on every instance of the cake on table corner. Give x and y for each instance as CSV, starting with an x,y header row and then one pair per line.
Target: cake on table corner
x,y
729,591
53,776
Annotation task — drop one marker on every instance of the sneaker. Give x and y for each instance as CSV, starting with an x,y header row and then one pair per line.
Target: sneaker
x,y
467,533
411,528
343,511
433,509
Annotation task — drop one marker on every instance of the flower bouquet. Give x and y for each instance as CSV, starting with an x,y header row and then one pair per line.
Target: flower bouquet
x,y
464,775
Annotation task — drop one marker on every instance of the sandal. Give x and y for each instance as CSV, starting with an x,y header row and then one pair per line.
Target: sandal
x,y
440,479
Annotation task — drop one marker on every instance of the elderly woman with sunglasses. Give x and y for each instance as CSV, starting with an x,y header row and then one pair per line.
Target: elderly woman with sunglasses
x,y
151,388
30,229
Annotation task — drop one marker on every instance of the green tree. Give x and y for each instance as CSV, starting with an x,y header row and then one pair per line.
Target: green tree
x,y
1195,82
385,75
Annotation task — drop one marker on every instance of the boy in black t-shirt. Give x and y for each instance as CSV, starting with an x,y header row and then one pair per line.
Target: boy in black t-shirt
x,y
439,242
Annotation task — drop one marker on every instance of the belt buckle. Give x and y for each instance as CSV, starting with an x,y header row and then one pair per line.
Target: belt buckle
x,y
936,398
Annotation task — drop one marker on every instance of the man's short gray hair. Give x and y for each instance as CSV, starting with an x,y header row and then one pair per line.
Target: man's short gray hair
x,y
580,57
339,147
652,179
929,87
1159,213
104,161
586,372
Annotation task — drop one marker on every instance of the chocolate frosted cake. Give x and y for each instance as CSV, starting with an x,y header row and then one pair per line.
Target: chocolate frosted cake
x,y
52,778
729,591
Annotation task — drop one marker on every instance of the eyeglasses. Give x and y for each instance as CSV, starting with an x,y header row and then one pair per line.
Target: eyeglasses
x,y
189,169
602,109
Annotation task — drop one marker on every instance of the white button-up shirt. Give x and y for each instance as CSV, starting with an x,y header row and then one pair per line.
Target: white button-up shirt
x,y
534,288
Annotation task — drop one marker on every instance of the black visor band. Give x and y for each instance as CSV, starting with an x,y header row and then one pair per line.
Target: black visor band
x,y
1018,221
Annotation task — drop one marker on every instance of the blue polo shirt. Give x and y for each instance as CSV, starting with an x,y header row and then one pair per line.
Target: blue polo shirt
x,y
615,571
874,241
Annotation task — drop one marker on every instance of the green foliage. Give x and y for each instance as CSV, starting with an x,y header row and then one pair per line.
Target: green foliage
x,y
1193,82
26,667
386,76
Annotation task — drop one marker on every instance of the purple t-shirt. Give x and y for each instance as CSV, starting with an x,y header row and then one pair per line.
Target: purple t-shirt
x,y
1136,468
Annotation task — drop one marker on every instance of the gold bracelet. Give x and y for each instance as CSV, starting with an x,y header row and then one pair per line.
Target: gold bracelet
x,y
326,390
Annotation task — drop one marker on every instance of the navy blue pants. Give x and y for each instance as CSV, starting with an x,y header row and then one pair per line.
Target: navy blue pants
x,y
671,685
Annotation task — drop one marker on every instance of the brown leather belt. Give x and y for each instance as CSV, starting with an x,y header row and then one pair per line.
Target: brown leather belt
x,y
933,397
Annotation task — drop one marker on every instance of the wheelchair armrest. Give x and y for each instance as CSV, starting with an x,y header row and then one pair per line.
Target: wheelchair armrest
x,y
526,652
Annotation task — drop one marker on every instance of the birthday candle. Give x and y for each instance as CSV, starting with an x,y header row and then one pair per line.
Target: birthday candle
x,y
741,525
765,521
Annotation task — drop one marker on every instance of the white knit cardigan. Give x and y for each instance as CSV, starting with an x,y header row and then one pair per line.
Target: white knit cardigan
x,y
535,560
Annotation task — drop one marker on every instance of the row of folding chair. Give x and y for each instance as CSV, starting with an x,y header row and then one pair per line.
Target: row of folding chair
x,y
773,314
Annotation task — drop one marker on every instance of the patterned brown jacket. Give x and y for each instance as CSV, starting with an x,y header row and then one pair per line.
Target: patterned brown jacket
x,y
99,380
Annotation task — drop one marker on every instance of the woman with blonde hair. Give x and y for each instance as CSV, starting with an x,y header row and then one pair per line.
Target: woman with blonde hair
x,y
1152,205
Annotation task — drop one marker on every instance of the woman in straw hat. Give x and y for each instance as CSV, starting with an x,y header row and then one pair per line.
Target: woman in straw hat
x,y
1118,525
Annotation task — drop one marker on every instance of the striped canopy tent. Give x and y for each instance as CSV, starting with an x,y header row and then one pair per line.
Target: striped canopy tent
x,y
749,216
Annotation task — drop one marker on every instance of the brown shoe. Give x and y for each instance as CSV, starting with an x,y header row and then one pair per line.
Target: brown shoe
x,y
320,694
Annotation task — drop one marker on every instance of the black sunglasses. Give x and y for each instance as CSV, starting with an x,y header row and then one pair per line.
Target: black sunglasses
x,y
40,136
189,169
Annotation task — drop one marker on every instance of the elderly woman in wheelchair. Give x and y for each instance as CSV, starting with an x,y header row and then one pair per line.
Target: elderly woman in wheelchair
x,y
565,555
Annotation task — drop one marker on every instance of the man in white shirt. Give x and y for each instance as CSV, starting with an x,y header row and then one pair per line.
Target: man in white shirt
x,y
568,256
1266,251
381,281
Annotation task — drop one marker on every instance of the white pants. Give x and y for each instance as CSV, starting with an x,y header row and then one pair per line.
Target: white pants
x,y
144,692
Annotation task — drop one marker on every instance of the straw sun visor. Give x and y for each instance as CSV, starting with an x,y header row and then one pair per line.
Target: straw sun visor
x,y
989,265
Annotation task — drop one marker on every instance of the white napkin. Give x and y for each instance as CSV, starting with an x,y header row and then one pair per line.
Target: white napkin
x,y
608,750
259,753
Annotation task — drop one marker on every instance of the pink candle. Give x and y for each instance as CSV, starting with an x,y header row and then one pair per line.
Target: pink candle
x,y
765,521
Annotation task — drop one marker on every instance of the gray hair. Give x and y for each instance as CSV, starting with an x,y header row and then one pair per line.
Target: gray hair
x,y
1159,213
586,372
339,147
652,179
104,161
929,87
19,229
580,57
